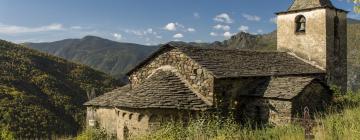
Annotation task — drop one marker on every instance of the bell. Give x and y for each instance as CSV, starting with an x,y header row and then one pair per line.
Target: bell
x,y
302,27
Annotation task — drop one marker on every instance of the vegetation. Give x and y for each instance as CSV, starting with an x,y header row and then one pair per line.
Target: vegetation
x,y
93,134
357,7
111,57
41,95
342,123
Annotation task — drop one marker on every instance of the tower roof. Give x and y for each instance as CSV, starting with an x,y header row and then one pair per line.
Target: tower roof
x,y
309,4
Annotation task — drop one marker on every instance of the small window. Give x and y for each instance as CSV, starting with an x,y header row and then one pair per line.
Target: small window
x,y
300,22
141,116
130,116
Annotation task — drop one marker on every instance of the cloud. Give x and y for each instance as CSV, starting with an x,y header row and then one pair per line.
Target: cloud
x,y
224,18
13,29
117,36
148,31
179,35
196,15
244,28
251,17
260,31
170,26
76,27
222,27
191,30
228,34
213,34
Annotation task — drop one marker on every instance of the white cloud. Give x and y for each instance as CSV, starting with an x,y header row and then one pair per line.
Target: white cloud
x,y
228,34
179,35
170,26
117,36
260,31
251,17
148,31
244,28
191,30
224,17
13,29
213,34
196,15
159,37
223,27
76,27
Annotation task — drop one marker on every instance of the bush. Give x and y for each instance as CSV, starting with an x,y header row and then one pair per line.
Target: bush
x,y
6,135
93,134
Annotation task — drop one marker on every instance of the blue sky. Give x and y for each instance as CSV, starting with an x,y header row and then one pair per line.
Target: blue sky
x,y
139,21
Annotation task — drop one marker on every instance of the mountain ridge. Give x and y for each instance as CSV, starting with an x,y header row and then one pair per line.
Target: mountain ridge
x,y
105,55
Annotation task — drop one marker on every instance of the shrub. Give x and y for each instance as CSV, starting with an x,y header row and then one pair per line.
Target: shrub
x,y
93,134
6,135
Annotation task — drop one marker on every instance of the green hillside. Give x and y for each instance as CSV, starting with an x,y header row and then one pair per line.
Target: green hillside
x,y
41,95
111,57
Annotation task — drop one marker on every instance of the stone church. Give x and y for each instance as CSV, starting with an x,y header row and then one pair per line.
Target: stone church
x,y
179,82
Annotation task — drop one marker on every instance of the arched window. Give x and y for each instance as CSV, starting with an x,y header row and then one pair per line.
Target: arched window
x,y
300,22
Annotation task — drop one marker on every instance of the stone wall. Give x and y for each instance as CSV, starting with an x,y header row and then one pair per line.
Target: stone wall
x,y
197,78
123,123
271,111
315,97
231,97
234,97
102,117
336,49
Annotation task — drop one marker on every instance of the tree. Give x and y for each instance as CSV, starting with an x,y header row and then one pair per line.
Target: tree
x,y
357,6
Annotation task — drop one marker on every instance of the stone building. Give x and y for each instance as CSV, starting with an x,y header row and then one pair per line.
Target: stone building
x,y
180,82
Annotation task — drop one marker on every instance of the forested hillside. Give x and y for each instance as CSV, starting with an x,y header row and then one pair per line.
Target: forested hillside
x,y
101,54
42,95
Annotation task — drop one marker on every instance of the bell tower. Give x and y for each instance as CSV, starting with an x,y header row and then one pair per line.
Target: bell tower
x,y
316,31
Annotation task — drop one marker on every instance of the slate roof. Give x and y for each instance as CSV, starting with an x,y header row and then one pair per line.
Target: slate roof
x,y
309,4
283,87
162,90
300,5
233,63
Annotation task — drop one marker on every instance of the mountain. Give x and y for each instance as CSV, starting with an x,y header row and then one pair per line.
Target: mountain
x,y
111,57
353,21
42,95
248,41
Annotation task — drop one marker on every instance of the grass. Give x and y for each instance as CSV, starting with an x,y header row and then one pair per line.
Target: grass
x,y
340,123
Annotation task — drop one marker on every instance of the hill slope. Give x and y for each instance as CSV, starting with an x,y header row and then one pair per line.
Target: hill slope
x,y
42,95
105,55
